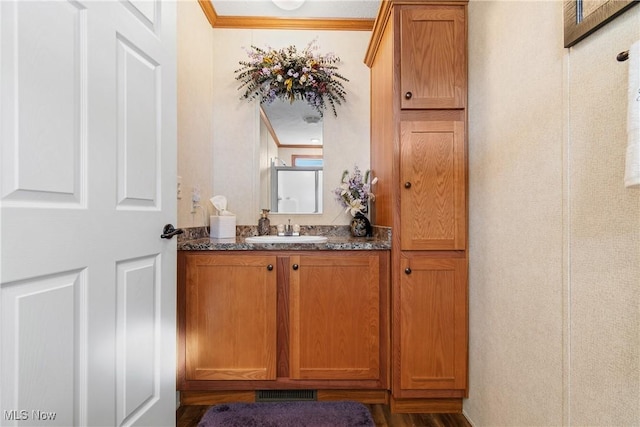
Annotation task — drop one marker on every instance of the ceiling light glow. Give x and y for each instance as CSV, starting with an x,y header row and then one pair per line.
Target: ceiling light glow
x,y
288,4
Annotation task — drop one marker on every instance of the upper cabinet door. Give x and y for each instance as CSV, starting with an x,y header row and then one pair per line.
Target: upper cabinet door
x,y
433,64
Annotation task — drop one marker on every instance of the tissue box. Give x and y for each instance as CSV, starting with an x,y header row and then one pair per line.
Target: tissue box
x,y
222,227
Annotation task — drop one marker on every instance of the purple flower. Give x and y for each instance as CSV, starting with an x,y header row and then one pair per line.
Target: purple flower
x,y
354,191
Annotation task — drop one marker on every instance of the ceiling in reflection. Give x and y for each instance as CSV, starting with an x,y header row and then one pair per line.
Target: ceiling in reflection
x,y
294,124
313,9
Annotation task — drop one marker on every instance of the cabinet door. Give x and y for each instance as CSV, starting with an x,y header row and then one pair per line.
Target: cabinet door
x,y
230,317
433,65
431,334
335,317
433,186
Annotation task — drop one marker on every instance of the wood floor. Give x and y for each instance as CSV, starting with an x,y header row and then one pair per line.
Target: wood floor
x,y
189,416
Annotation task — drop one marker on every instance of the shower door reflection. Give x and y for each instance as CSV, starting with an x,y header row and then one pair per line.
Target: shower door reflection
x,y
296,189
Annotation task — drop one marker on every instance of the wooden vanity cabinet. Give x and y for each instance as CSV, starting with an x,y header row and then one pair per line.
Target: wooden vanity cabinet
x,y
417,56
270,320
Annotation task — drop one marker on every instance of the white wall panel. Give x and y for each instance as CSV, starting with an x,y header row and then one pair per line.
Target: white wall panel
x,y
43,86
138,326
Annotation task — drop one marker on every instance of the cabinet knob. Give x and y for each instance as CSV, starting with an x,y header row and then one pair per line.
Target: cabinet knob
x,y
270,267
408,95
295,266
407,270
407,184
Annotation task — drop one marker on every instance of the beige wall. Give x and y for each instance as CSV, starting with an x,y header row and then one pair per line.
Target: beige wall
x,y
554,234
195,111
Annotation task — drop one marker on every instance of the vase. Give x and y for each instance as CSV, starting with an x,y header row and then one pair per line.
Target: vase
x,y
360,226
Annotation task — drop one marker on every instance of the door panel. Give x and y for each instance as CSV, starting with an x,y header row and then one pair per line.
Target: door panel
x,y
39,317
433,186
138,324
146,11
138,143
87,287
43,104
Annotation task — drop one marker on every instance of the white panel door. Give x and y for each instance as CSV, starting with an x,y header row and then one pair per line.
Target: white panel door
x,y
87,183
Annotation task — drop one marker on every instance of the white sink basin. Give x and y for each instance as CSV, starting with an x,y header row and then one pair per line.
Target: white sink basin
x,y
286,239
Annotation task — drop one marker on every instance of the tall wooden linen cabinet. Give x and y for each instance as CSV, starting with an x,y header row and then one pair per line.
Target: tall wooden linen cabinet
x,y
418,62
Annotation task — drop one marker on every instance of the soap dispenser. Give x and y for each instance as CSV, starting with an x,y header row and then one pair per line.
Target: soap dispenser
x,y
264,223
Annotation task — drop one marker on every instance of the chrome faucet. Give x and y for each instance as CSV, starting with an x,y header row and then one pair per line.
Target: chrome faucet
x,y
288,229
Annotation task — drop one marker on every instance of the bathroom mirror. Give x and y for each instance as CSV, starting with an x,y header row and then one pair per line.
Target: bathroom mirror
x,y
291,157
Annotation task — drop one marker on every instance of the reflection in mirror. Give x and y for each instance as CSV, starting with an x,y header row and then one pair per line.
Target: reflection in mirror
x,y
291,159
296,189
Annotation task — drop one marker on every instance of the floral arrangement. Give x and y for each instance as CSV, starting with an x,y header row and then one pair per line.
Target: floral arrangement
x,y
289,75
354,192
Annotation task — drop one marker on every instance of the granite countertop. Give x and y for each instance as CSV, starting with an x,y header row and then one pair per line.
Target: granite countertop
x,y
339,238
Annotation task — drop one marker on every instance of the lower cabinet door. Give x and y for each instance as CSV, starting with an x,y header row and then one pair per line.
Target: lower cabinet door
x,y
230,308
335,306
430,332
